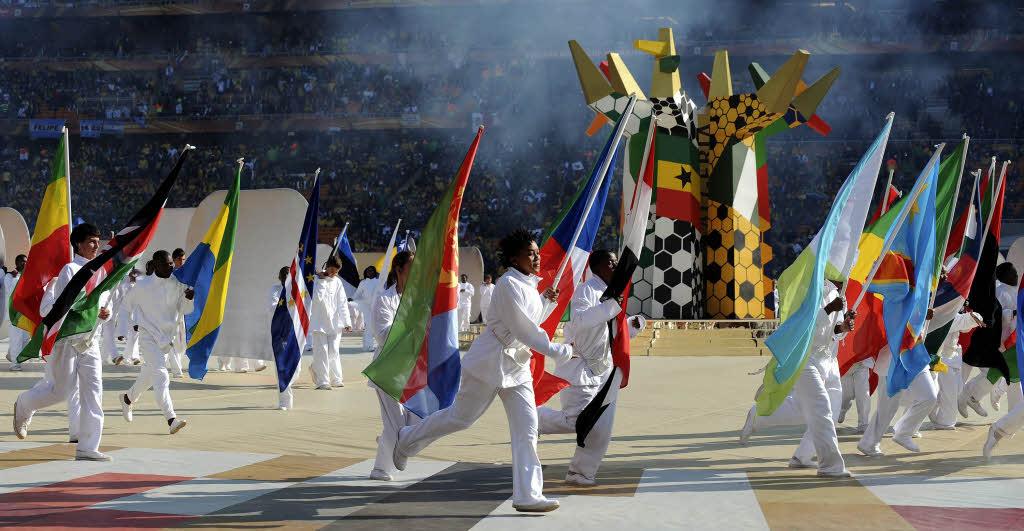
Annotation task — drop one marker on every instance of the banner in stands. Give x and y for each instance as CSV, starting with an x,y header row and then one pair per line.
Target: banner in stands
x,y
45,128
94,128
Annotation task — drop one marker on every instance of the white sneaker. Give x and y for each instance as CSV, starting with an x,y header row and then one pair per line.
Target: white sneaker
x,y
179,374
261,368
976,406
579,480
126,408
397,457
380,475
991,442
339,384
873,451
748,426
15,367
796,463
177,425
89,455
323,388
906,443
841,474
543,506
916,435
282,408
20,424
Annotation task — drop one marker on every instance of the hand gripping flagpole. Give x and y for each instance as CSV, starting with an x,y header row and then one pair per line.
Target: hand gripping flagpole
x,y
602,172
899,223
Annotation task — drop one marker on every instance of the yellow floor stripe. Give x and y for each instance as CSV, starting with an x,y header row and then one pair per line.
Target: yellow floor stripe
x,y
292,468
42,454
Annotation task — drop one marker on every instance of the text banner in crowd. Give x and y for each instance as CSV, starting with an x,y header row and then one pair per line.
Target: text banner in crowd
x,y
45,128
95,128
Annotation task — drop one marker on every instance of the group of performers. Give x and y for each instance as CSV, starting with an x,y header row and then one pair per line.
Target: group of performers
x,y
497,364
821,398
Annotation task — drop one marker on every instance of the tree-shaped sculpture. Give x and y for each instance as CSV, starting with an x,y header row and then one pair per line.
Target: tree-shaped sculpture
x,y
704,249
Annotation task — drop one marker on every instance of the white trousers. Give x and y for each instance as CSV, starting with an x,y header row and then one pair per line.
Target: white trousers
x,y
818,393
394,417
326,359
483,312
108,340
368,343
355,312
131,345
18,339
472,400
787,414
1012,422
153,374
857,387
585,460
67,368
922,393
243,365
979,386
174,362
464,316
286,398
950,384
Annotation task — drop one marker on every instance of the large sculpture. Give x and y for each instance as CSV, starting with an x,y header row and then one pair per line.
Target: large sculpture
x,y
705,253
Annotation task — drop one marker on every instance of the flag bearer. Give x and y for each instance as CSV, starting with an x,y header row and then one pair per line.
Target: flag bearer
x,y
857,388
950,382
498,365
588,369
393,415
18,337
363,296
486,292
74,361
159,301
328,317
979,386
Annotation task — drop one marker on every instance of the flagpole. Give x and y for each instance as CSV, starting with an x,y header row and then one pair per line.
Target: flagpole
x,y
653,125
602,172
918,189
851,260
337,243
67,182
888,185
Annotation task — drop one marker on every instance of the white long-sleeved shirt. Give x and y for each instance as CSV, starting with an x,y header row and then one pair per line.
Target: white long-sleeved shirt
x,y
501,355
466,291
826,341
159,305
124,318
330,307
57,285
950,351
588,331
486,292
383,316
365,291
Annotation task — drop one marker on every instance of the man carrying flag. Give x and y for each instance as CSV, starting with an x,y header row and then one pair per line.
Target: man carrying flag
x,y
290,325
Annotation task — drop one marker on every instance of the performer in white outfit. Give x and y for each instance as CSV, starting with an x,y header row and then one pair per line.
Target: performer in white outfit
x,y
857,387
979,386
950,383
364,298
73,362
486,292
176,357
498,365
465,303
588,369
18,338
159,302
393,415
328,317
818,390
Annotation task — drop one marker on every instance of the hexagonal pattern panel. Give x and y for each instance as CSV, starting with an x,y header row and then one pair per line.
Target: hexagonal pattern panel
x,y
734,282
668,283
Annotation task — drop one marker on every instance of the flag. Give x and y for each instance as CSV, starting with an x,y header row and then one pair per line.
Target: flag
x,y
829,255
419,362
945,200
290,324
349,273
634,231
558,246
886,203
904,279
208,271
76,309
984,348
51,246
383,264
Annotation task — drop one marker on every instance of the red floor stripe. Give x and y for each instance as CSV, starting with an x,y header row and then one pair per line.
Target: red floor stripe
x,y
105,519
27,505
980,519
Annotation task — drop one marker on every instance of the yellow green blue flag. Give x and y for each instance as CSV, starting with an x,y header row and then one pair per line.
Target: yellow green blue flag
x,y
207,270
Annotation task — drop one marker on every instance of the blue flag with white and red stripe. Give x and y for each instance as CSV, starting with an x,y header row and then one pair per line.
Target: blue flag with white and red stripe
x,y
290,325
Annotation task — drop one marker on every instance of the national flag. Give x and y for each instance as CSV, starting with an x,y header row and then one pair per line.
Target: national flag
x,y
290,324
208,271
419,362
634,232
557,246
904,279
887,201
984,348
384,262
349,273
830,255
50,249
76,309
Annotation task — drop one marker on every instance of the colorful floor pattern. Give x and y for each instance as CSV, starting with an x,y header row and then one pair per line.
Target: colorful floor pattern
x,y
42,488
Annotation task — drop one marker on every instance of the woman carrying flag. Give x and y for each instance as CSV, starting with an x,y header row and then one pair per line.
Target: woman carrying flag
x,y
498,365
393,415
